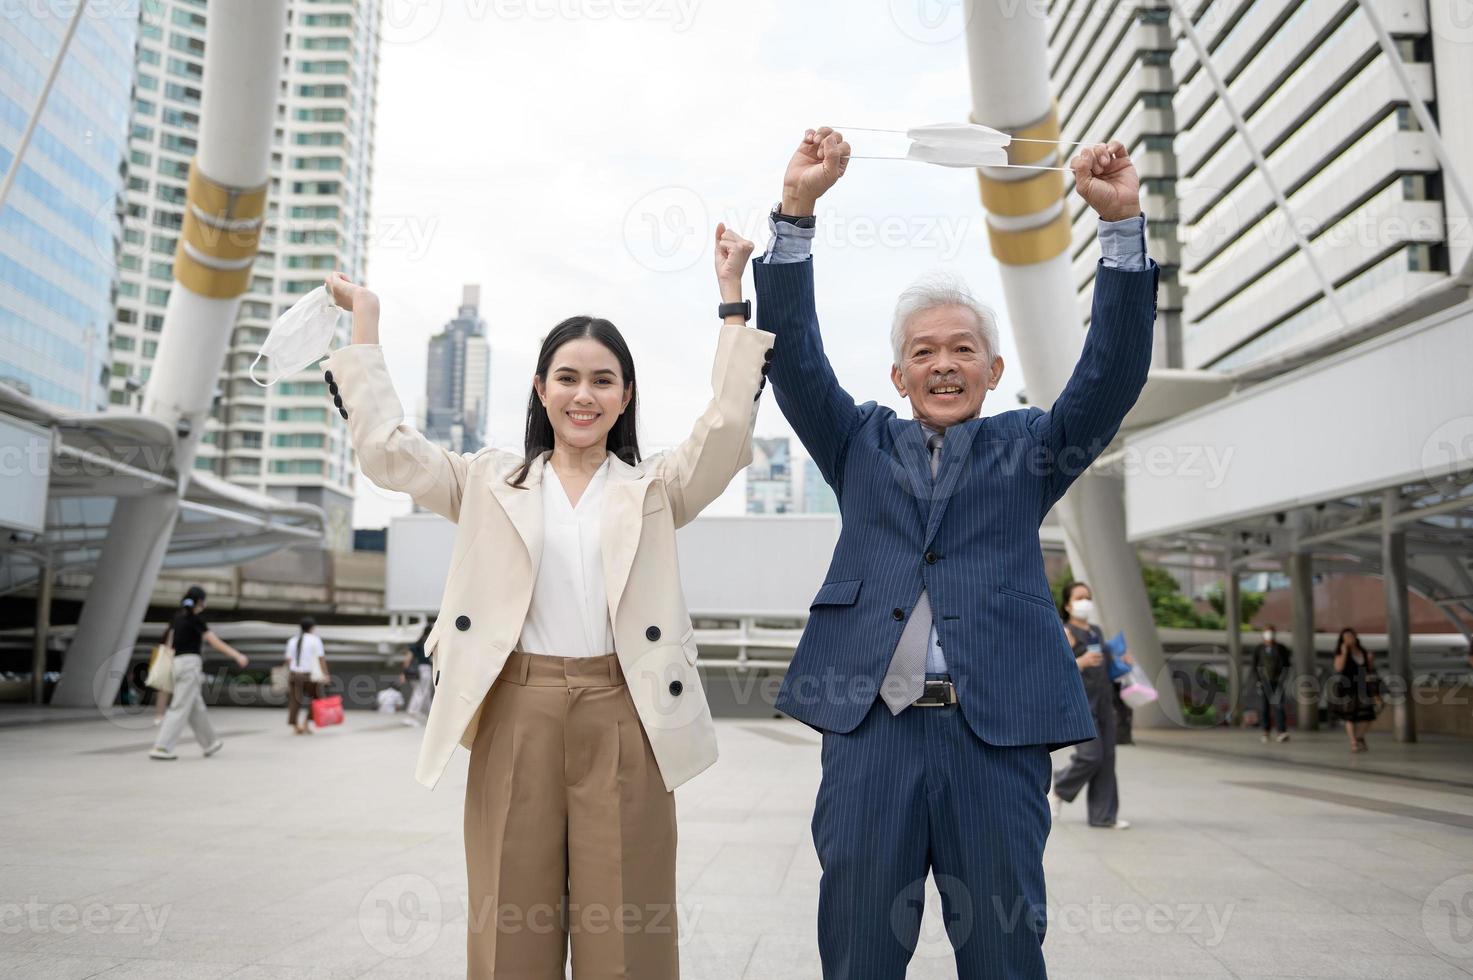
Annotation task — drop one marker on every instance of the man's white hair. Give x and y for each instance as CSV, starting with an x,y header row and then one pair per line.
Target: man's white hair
x,y
942,289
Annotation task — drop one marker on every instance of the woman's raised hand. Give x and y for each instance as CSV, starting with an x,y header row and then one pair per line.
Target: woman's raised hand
x,y
361,301
732,253
344,293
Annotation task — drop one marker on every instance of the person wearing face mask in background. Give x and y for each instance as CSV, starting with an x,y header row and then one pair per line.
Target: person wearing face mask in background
x,y
1271,661
1093,763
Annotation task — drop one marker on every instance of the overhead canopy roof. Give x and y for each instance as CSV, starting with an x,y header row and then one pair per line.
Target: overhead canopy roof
x,y
96,458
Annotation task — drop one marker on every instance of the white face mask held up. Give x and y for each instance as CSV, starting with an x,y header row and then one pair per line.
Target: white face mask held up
x,y
301,337
959,145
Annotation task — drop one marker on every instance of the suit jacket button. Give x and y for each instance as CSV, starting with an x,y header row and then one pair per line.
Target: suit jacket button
x,y
343,412
327,376
652,634
462,623
676,687
767,354
931,557
337,400
898,614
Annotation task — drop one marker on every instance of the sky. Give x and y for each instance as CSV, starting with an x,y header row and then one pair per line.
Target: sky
x,y
575,156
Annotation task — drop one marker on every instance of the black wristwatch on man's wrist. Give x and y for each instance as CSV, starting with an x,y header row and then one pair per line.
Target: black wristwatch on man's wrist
x,y
801,221
744,309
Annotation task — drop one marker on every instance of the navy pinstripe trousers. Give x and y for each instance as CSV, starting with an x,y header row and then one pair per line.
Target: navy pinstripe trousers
x,y
905,794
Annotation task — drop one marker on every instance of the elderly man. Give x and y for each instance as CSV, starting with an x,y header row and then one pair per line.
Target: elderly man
x,y
933,661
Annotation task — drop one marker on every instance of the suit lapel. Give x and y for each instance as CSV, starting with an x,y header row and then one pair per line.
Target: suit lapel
x,y
523,506
911,463
620,526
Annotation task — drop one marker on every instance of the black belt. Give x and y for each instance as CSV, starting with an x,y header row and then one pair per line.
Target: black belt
x,y
937,694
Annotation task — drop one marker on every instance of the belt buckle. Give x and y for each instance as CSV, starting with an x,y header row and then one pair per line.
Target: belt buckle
x,y
937,694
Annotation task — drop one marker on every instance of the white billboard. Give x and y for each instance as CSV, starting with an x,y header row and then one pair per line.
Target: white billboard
x,y
738,566
25,462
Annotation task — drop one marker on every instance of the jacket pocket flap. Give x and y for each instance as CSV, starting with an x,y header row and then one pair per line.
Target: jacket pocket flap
x,y
838,593
1044,601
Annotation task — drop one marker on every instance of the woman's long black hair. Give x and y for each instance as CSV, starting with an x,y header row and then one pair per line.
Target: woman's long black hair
x,y
622,440
1354,642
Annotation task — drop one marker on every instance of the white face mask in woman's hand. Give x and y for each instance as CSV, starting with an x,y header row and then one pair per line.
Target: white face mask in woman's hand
x,y
301,337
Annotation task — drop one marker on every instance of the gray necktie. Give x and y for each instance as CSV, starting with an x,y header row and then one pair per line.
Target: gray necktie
x,y
906,679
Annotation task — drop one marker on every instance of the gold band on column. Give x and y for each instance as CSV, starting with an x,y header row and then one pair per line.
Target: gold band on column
x,y
223,223
1030,245
1015,198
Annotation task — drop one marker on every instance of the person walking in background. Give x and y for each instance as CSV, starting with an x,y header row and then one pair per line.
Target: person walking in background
x,y
1355,690
307,662
1271,669
187,634
1093,762
416,660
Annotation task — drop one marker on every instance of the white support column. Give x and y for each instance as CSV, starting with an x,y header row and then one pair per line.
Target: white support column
x,y
243,50
1232,606
1398,617
1306,691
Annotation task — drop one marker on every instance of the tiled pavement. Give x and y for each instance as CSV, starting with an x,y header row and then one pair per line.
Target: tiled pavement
x,y
292,857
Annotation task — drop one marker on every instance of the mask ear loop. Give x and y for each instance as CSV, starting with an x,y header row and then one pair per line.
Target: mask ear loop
x,y
252,372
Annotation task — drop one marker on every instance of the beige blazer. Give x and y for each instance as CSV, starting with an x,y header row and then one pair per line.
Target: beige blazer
x,y
498,542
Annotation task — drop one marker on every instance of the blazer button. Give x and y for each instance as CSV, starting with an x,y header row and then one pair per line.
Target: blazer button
x,y
652,634
898,614
437,678
327,376
337,400
931,557
343,412
462,623
766,367
767,354
332,387
676,687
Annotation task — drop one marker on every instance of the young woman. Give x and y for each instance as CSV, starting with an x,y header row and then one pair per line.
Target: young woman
x,y
563,655
304,655
1355,689
1093,762
187,634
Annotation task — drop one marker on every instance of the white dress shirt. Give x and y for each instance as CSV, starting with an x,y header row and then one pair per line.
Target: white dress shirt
x,y
569,614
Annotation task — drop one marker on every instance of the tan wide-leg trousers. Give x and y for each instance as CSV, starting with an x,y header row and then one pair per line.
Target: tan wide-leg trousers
x,y
569,830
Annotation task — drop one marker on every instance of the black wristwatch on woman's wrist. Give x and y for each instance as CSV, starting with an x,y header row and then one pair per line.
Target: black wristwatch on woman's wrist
x,y
742,309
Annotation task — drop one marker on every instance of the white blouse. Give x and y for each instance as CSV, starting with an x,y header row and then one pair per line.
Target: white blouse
x,y
569,614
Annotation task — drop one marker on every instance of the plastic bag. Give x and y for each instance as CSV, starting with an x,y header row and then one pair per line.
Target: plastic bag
x,y
1137,691
302,336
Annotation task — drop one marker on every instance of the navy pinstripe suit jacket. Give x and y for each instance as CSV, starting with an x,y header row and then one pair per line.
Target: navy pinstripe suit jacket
x,y
970,537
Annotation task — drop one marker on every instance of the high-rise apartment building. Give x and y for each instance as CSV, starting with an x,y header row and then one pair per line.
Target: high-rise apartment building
x,y
286,440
